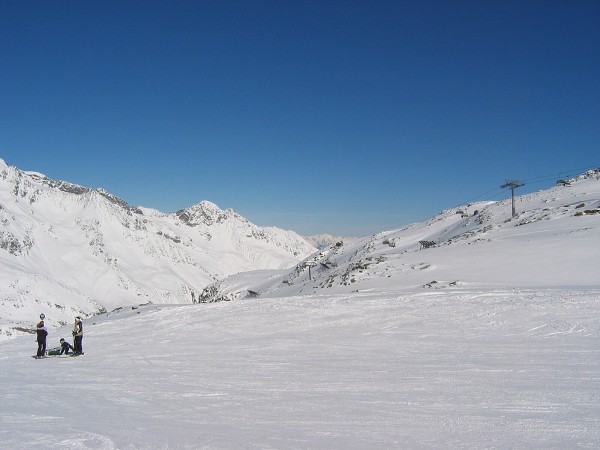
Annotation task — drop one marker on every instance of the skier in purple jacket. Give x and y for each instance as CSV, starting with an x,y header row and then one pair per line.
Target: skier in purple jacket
x,y
42,332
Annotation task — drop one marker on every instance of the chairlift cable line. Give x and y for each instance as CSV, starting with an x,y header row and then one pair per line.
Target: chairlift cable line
x,y
529,181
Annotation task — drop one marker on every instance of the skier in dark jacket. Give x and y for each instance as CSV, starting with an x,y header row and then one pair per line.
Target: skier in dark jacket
x,y
65,347
41,339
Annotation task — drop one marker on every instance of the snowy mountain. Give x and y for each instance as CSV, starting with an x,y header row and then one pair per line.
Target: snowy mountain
x,y
473,330
67,250
550,242
321,241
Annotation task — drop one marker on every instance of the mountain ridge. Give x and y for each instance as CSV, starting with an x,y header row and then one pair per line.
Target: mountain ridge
x,y
80,251
477,243
70,250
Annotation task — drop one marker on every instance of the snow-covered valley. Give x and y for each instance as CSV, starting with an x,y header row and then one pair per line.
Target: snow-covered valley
x,y
487,338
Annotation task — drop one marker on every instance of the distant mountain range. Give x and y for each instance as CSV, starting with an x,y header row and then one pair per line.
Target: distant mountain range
x,y
69,250
322,241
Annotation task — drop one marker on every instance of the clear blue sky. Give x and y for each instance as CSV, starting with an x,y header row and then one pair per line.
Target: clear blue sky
x,y
343,117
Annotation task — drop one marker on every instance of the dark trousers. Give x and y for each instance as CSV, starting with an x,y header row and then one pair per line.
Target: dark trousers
x,y
77,347
41,348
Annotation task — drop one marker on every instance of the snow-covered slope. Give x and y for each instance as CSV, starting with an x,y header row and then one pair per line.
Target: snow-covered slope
x,y
459,368
67,250
551,241
489,339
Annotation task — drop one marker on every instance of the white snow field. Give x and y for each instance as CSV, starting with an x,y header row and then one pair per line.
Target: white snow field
x,y
488,339
453,368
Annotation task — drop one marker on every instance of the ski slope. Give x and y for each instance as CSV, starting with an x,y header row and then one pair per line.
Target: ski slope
x,y
490,339
453,369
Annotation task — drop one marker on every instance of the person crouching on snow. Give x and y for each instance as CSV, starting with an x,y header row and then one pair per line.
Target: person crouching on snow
x,y
78,336
65,347
41,339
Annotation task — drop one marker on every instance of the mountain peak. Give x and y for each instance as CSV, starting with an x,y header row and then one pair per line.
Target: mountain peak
x,y
206,204
205,212
68,249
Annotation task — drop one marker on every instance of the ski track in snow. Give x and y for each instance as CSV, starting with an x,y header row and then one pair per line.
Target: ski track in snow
x,y
452,369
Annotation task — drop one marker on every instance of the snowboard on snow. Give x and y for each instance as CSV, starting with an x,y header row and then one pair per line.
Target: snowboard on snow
x,y
70,355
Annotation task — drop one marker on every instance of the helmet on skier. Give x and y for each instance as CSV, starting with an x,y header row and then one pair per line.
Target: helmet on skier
x,y
42,316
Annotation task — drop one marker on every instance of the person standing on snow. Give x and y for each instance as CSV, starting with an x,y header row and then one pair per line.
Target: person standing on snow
x,y
42,332
78,336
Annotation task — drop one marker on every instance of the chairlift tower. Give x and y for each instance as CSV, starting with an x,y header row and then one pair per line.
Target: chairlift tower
x,y
310,265
512,184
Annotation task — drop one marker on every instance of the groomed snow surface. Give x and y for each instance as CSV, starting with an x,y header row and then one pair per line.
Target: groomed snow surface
x,y
461,367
